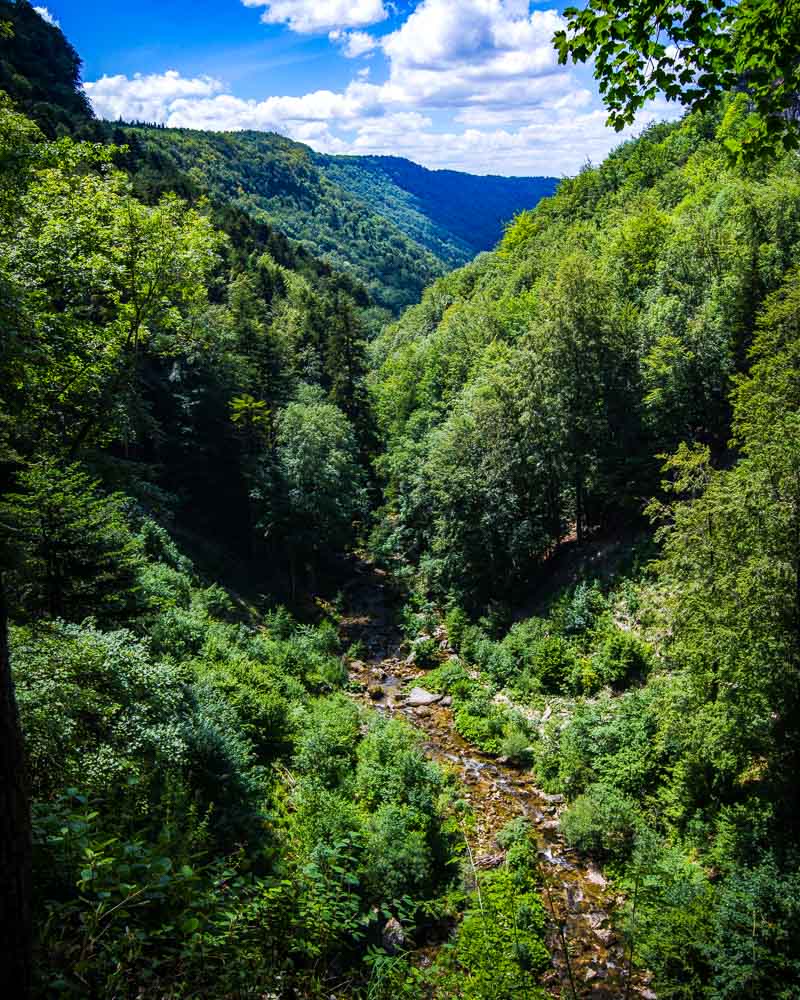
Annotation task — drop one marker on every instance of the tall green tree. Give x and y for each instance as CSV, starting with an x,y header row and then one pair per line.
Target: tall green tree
x,y
79,556
693,53
731,576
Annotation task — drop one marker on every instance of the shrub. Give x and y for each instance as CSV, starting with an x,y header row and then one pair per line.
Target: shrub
x,y
456,623
480,722
581,609
516,745
426,652
515,831
620,658
326,743
553,661
755,949
392,768
452,677
96,710
500,944
602,821
397,858
495,660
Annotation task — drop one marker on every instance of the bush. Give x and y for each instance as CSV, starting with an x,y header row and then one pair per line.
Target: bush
x,y
480,722
500,946
398,860
602,821
456,623
392,768
620,658
610,741
426,652
326,745
515,831
755,950
452,677
553,661
577,612
516,745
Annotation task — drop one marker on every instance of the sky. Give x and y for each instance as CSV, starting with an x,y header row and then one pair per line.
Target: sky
x,y
469,85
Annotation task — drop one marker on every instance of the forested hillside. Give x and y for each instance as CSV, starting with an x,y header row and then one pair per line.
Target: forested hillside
x,y
455,215
390,224
208,811
621,375
459,662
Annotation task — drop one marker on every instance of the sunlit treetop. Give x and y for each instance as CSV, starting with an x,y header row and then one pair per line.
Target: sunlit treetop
x,y
693,52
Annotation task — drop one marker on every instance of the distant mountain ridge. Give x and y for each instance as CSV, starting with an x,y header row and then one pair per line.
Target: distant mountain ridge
x,y
392,224
387,223
470,209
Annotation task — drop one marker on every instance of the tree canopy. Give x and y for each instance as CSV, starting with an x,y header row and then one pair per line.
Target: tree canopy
x,y
694,53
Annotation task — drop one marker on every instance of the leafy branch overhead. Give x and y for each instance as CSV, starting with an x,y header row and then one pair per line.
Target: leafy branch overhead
x,y
693,53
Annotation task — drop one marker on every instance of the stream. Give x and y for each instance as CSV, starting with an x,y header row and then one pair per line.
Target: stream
x,y
575,893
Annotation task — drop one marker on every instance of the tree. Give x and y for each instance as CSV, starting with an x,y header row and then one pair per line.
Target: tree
x,y
97,278
731,579
80,557
692,53
320,483
15,833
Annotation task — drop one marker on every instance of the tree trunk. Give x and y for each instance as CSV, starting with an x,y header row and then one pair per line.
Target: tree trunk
x,y
15,835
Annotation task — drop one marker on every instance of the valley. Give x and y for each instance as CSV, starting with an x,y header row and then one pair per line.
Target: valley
x,y
400,568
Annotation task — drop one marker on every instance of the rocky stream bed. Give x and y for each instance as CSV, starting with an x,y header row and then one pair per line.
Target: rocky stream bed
x,y
577,895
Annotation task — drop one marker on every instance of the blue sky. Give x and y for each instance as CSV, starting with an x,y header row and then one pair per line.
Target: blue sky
x,y
465,84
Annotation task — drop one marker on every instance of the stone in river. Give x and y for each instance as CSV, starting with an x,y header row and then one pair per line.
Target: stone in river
x,y
419,696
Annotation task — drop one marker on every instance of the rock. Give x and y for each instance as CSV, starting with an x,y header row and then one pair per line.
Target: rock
x,y
551,798
594,876
378,674
423,711
446,702
501,699
357,665
547,713
487,861
419,696
393,937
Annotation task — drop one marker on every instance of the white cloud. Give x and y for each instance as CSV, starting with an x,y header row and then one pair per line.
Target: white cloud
x,y
45,15
472,86
307,16
493,52
354,43
146,97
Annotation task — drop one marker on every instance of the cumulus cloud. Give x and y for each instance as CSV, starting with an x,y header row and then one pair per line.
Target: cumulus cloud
x,y
307,16
354,43
478,88
146,97
45,15
493,52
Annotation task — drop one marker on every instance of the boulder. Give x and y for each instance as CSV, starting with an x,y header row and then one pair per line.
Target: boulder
x,y
419,696
393,937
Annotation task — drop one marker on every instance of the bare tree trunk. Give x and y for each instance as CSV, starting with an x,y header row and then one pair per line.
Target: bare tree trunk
x,y
15,835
